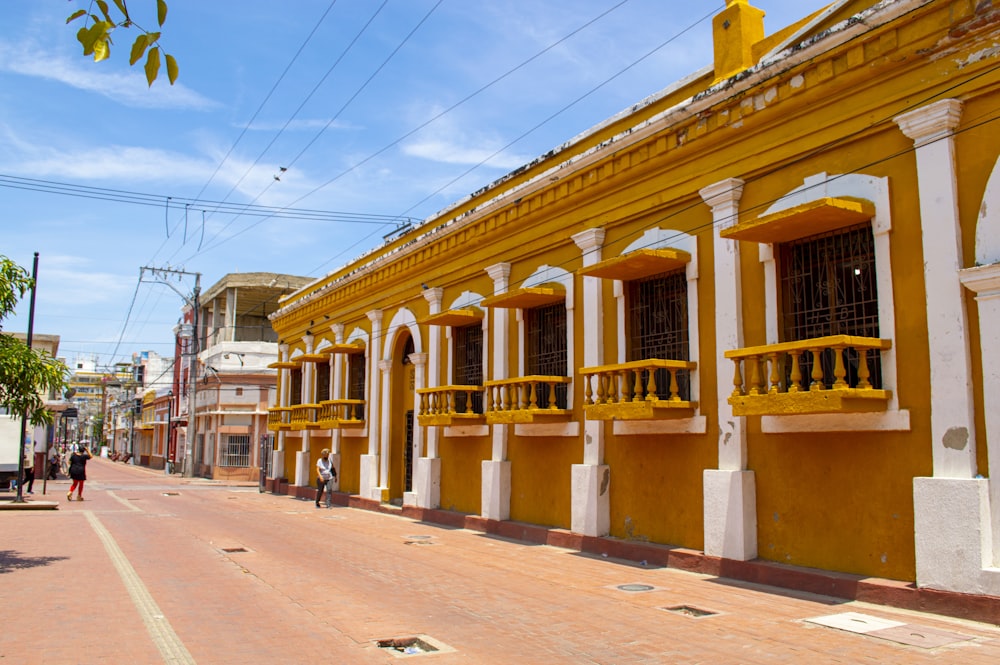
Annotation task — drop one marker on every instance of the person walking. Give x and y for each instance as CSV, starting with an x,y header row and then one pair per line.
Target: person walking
x,y
29,473
78,472
325,473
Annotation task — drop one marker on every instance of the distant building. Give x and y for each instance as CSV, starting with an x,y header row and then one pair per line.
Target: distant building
x,y
232,381
753,316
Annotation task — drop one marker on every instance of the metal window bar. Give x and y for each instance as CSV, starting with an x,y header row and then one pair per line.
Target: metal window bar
x,y
467,365
356,382
408,452
266,447
658,327
545,329
236,452
322,382
829,287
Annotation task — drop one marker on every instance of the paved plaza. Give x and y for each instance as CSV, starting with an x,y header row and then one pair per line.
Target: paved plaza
x,y
158,569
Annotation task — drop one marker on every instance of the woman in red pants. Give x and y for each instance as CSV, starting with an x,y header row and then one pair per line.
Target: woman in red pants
x,y
78,472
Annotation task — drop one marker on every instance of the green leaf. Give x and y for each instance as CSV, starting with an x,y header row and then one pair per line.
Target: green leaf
x,y
75,15
138,48
152,65
161,11
90,36
171,68
103,6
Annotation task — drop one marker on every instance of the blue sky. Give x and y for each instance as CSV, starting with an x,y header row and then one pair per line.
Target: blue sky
x,y
383,109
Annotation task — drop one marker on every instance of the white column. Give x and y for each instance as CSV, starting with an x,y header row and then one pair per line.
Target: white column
x,y
278,455
336,389
730,491
382,492
303,466
426,469
952,408
496,471
591,505
985,282
433,297
952,530
369,462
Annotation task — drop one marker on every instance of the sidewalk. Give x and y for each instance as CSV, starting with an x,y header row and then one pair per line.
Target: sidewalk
x,y
153,568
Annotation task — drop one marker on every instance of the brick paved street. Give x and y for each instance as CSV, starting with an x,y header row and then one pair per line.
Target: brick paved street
x,y
153,569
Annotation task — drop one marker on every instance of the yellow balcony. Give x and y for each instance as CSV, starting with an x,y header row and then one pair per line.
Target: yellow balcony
x,y
629,391
775,384
279,418
518,400
339,413
448,405
304,416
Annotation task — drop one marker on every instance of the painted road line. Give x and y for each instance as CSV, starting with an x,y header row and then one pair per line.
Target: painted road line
x,y
160,630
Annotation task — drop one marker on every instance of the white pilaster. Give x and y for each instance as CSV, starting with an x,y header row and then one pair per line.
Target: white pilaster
x,y
385,368
337,382
953,440
591,505
370,462
730,491
496,471
985,282
433,297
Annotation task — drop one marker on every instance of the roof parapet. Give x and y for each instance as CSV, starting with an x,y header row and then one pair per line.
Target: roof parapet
x,y
734,31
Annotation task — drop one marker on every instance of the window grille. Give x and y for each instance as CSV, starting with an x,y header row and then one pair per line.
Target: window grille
x,y
408,453
356,381
266,448
236,451
467,364
295,386
658,326
545,329
322,382
829,287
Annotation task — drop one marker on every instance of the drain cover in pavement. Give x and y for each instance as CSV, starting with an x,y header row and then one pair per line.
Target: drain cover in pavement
x,y
417,645
887,629
690,611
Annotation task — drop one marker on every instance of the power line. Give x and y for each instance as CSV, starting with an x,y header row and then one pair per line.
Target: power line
x,y
198,205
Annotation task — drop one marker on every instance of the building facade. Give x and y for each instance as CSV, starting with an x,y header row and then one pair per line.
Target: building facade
x,y
230,384
748,317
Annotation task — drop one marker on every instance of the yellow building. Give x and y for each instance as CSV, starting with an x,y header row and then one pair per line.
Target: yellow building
x,y
752,318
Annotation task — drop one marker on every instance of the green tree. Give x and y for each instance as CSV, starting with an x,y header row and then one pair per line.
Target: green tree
x,y
24,372
95,37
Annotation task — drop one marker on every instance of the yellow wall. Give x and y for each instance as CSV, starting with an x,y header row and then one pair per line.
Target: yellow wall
x,y
462,473
540,479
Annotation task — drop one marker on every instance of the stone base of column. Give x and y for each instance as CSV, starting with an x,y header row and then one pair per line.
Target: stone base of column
x,y
277,463
591,514
426,484
953,537
496,490
303,469
730,514
369,478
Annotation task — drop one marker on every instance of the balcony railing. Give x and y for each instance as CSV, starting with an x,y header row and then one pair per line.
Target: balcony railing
x,y
821,375
636,390
526,399
450,405
304,416
338,413
279,418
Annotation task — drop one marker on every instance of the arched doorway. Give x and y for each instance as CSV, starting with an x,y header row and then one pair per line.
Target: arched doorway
x,y
403,378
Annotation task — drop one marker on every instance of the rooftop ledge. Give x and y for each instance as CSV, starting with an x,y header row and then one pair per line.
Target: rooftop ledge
x,y
807,219
638,264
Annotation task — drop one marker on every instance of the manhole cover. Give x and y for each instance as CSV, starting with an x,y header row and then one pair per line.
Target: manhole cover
x,y
418,537
634,588
691,611
418,542
171,494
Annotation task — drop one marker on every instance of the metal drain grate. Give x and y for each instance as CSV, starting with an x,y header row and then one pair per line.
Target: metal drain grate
x,y
231,550
635,588
171,494
690,611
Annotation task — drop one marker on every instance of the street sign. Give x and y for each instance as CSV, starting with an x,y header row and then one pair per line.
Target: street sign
x,y
69,413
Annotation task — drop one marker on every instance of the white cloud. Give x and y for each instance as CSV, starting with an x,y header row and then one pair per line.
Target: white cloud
x,y
448,142
128,88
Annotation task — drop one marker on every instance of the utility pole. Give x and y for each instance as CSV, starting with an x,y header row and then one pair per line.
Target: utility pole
x,y
192,341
